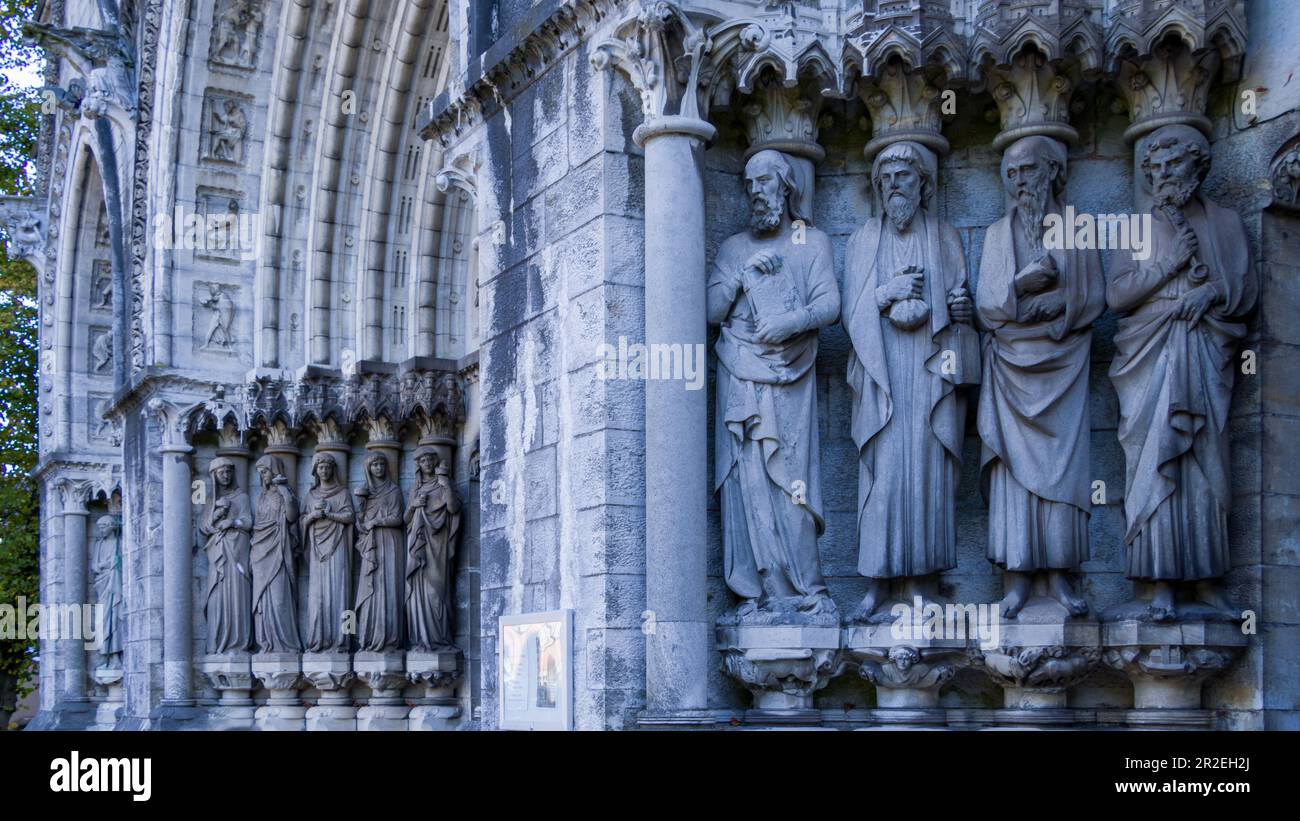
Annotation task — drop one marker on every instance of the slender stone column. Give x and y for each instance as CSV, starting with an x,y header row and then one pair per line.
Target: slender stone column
x,y
677,484
178,560
75,565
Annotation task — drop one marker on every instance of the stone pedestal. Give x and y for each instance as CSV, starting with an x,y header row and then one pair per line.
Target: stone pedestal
x,y
109,709
281,675
781,665
1037,658
331,673
385,675
439,672
231,675
1167,664
908,672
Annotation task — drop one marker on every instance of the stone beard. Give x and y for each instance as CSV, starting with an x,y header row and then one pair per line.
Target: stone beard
x,y
908,419
770,295
327,527
1181,320
1038,307
275,546
227,522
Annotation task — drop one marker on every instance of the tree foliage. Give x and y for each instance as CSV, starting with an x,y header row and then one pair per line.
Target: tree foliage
x,y
19,502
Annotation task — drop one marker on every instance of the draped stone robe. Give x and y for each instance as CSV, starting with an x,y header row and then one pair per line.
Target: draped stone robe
x,y
908,418
228,604
431,532
381,602
275,602
1033,412
1174,381
766,458
329,552
107,575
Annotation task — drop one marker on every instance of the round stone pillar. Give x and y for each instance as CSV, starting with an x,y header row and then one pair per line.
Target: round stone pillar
x,y
75,564
676,419
178,574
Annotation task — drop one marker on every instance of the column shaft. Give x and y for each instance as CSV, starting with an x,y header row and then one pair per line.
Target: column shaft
x,y
178,572
74,592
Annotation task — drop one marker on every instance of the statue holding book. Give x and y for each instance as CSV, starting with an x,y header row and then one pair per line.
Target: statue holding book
x,y
770,289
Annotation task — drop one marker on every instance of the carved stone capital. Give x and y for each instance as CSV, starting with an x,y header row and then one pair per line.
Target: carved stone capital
x,y
230,673
904,105
784,119
781,666
1051,669
663,52
1166,55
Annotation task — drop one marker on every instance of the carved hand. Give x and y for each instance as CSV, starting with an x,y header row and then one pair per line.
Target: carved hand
x,y
1193,304
778,329
1043,307
1185,247
763,262
906,284
279,480
959,305
1037,276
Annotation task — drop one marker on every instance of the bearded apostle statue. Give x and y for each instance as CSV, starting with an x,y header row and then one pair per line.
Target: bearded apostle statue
x,y
1182,315
432,527
908,313
274,551
106,576
1037,305
227,522
327,526
381,600
770,289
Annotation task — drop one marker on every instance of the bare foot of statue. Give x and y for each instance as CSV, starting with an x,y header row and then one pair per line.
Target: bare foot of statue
x,y
877,591
818,604
1162,603
1211,594
748,607
1058,582
1018,586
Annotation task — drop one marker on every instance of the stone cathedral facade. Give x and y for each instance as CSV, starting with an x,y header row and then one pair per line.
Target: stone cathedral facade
x,y
725,327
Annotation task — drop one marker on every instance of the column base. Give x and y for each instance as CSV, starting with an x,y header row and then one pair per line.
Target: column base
x,y
781,665
435,716
76,715
1039,656
281,674
907,673
1168,663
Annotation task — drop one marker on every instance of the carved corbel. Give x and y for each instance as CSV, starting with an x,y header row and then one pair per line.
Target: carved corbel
x,y
1284,177
23,220
109,87
904,105
172,423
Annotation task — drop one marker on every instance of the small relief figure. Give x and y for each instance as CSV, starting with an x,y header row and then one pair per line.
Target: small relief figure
x,y
227,522
222,234
226,131
432,527
222,320
100,427
101,284
274,550
106,574
327,526
235,31
102,352
380,596
1182,317
102,236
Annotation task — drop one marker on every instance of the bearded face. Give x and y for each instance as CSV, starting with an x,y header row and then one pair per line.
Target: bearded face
x,y
900,189
1029,182
766,198
1174,175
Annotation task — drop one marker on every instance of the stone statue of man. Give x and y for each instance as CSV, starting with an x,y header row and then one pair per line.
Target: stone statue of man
x,y
1181,319
1037,305
770,289
381,599
106,575
432,528
274,551
908,313
327,526
227,522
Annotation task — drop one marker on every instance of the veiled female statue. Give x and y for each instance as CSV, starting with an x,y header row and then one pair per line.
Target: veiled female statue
x,y
227,521
275,545
432,525
327,528
106,568
380,600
